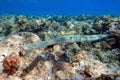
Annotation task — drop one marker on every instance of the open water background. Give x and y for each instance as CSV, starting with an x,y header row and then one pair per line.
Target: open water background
x,y
60,7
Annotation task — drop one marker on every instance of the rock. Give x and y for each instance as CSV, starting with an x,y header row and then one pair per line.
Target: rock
x,y
83,62
11,48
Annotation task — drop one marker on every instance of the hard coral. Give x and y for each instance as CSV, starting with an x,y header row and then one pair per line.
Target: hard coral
x,y
11,63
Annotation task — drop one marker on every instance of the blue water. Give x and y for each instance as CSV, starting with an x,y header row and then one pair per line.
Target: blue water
x,y
60,7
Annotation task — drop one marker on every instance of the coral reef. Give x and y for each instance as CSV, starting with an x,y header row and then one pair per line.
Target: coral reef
x,y
82,47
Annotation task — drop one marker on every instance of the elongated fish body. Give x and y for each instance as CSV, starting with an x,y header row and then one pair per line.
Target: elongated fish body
x,y
64,39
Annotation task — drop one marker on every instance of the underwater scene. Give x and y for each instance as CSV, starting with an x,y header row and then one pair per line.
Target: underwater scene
x,y
59,40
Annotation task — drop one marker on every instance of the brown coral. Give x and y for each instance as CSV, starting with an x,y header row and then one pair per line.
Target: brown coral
x,y
11,63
